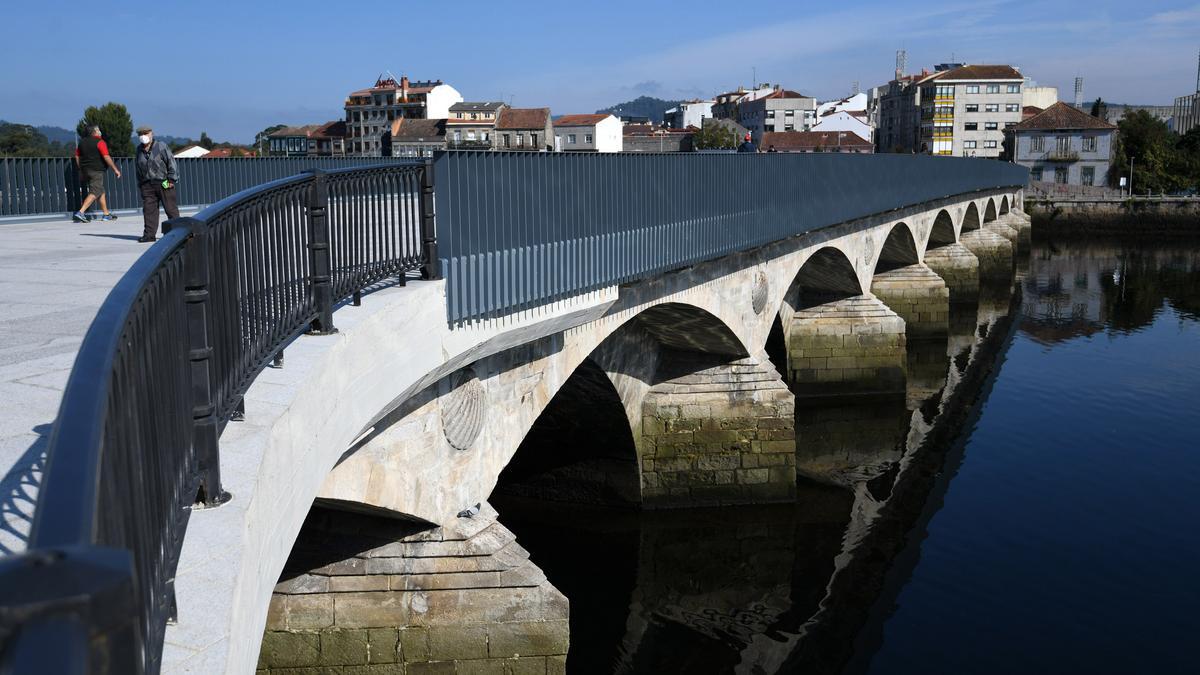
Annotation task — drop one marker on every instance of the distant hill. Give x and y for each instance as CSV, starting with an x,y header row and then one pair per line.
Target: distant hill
x,y
642,106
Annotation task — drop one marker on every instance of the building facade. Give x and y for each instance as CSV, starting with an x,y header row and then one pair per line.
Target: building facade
x,y
1064,145
815,141
1186,113
899,115
845,120
588,133
312,140
415,137
688,114
472,125
965,110
370,112
528,129
780,110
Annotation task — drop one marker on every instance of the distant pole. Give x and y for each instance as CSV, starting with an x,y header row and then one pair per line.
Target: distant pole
x,y
753,77
1131,177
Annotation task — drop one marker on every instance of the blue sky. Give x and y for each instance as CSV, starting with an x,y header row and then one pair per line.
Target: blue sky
x,y
232,68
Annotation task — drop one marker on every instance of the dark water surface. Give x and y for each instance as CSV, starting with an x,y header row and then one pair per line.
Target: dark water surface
x,y
1031,506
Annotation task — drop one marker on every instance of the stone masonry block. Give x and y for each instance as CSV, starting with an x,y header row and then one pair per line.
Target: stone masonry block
x,y
535,638
458,642
343,647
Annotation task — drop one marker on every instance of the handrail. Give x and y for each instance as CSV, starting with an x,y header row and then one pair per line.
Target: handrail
x,y
162,369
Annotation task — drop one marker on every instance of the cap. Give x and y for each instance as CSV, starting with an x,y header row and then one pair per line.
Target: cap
x,y
144,129
747,136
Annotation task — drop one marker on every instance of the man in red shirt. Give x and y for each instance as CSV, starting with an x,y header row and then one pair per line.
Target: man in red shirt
x,y
92,160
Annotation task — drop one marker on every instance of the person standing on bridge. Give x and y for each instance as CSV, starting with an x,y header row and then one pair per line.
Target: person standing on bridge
x,y
92,161
747,145
157,175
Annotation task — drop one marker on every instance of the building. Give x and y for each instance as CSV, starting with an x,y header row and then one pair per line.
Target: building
x,y
312,140
815,141
601,132
688,114
415,137
846,120
779,110
1115,112
471,125
1186,113
855,103
1064,145
191,151
965,110
725,106
899,114
649,138
370,112
1033,96
524,129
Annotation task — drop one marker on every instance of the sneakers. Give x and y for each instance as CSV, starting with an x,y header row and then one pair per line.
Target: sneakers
x,y
108,216
79,217
147,240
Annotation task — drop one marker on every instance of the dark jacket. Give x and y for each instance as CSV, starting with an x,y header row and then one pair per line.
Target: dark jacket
x,y
156,165
90,157
747,146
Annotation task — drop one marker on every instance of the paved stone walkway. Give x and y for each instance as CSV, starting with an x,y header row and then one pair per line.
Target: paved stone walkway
x,y
54,274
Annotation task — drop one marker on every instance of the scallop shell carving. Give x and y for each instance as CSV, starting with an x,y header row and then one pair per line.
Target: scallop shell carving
x,y
463,409
758,293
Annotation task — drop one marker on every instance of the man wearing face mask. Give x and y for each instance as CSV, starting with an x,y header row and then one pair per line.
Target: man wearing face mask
x,y
157,175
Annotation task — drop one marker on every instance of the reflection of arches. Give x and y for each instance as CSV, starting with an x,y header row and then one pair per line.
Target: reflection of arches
x,y
990,213
826,276
970,219
580,448
942,232
1004,205
899,250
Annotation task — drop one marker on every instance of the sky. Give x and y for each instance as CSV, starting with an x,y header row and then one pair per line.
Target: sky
x,y
234,68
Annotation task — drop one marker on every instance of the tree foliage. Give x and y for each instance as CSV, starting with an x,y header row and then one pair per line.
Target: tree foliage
x,y
1100,108
205,142
22,140
715,137
261,137
115,124
1162,161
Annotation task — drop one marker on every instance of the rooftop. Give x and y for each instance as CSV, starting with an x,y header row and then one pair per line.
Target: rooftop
x,y
809,140
1063,116
417,130
981,72
581,120
523,118
477,106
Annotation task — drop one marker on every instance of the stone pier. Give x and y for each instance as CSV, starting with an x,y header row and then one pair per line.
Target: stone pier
x,y
717,434
854,345
918,295
843,443
994,252
1002,227
457,599
958,268
1022,225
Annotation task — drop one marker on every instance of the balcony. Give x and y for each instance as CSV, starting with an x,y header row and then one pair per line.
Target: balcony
x,y
468,145
1061,156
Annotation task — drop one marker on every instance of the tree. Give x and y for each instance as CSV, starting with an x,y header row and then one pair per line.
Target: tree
x,y
205,142
115,125
1148,143
1100,109
715,137
1187,159
21,140
260,139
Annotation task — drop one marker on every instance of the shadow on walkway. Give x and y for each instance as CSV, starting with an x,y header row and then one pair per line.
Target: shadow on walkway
x,y
18,493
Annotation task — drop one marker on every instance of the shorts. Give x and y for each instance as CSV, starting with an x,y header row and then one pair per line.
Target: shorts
x,y
94,180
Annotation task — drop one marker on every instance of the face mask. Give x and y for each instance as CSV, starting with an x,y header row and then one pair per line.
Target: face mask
x,y
145,139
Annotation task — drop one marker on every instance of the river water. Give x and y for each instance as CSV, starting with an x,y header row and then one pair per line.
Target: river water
x,y
1031,506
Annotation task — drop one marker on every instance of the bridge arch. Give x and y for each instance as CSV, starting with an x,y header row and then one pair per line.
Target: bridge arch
x,y
970,219
989,213
942,232
899,250
1004,205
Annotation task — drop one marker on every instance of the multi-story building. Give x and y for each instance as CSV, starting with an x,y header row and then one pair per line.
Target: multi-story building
x,y
524,129
588,133
899,116
688,114
725,106
965,110
370,112
414,137
779,110
1186,113
854,121
471,125
313,140
1064,145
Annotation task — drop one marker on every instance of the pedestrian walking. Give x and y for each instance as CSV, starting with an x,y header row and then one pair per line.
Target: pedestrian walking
x,y
92,161
157,176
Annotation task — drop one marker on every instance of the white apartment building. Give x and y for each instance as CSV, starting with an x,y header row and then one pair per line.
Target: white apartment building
x,y
370,112
966,109
844,120
780,110
688,114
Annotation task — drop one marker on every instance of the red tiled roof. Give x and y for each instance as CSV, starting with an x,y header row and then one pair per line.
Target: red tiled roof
x,y
784,93
418,130
982,73
523,118
580,120
809,140
1063,116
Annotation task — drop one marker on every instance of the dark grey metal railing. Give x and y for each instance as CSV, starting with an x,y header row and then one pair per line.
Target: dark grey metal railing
x,y
33,186
521,229
161,371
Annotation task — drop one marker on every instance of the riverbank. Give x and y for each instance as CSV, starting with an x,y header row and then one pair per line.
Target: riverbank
x,y
1142,215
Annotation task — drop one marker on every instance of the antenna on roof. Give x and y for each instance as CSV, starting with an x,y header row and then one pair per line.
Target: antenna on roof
x,y
901,62
753,77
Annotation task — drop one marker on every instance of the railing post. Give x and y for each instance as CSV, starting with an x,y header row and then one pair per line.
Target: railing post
x,y
431,268
319,255
205,421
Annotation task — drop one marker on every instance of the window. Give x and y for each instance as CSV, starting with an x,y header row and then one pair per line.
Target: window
x,y
458,115
1060,174
1037,143
587,138
458,137
989,144
1089,145
990,126
570,139
520,140
972,107
506,140
1012,107
1010,125
532,140
483,136
1014,88
992,107
1087,175
770,114
970,145
474,116
1035,173
993,89
971,126
1062,144
972,89
470,134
